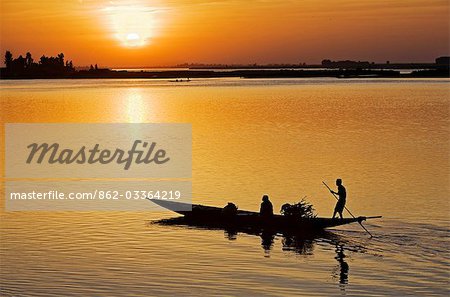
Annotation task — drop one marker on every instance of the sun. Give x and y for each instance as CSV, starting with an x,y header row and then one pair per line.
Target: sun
x,y
134,40
132,25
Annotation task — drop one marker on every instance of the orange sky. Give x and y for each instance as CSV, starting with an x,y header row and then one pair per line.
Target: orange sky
x,y
146,32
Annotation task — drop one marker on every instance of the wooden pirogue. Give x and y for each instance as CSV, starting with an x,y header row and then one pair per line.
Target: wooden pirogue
x,y
209,216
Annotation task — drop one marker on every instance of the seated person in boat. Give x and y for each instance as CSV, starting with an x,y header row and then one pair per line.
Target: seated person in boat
x,y
266,209
342,193
230,210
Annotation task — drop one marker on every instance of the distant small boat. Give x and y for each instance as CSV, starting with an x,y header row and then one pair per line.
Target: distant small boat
x,y
209,216
180,80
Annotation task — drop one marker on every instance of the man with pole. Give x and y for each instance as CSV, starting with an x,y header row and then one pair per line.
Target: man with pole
x,y
340,205
342,193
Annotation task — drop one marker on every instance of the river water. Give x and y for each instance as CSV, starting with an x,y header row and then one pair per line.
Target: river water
x,y
388,139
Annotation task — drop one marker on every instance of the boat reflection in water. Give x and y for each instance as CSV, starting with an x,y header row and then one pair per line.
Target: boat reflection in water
x,y
303,244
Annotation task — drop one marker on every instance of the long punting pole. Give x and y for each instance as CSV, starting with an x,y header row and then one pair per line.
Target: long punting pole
x,y
348,210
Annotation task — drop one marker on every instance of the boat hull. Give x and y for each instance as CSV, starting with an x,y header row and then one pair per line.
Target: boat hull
x,y
213,217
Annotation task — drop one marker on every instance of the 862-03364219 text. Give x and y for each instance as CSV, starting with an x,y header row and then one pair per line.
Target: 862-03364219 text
x,y
98,195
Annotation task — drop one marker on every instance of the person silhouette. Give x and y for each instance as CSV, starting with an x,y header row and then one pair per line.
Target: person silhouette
x,y
342,193
266,209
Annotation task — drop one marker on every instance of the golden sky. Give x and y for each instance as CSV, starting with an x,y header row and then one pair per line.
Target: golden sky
x,y
149,33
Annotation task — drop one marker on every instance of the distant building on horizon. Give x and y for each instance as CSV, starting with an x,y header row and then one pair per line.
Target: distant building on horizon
x,y
347,64
443,61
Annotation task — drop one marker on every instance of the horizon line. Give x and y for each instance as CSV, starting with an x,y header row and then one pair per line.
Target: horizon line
x,y
186,65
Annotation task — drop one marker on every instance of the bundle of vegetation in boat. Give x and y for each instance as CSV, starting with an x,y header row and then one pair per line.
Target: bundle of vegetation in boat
x,y
302,209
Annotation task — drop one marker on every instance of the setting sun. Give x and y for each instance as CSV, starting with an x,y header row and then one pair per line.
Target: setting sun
x,y
132,26
134,39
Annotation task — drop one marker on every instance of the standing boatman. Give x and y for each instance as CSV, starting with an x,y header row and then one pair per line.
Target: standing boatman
x,y
342,193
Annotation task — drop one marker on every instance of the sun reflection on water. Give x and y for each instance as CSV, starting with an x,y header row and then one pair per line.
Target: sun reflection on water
x,y
135,106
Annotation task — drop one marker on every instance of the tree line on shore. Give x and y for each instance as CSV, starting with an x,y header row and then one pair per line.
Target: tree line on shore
x,y
46,66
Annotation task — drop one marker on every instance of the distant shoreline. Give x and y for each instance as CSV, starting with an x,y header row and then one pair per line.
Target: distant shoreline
x,y
241,73
59,68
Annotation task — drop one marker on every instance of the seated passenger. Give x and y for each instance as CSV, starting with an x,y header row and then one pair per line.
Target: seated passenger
x,y
266,209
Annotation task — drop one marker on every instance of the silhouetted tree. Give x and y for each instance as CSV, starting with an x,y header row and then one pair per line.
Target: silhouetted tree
x,y
43,60
8,59
28,60
61,59
19,64
69,65
326,62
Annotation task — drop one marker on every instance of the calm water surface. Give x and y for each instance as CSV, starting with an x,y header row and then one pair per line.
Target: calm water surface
x,y
388,140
